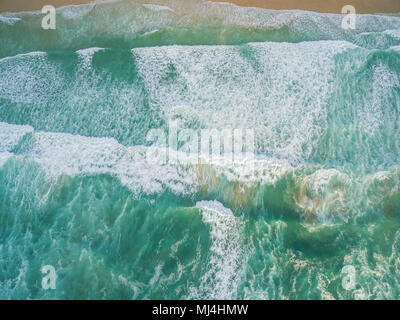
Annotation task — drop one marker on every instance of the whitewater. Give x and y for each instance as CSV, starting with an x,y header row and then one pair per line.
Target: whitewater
x,y
320,193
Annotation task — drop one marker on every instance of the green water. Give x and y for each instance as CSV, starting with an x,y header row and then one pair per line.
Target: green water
x,y
78,192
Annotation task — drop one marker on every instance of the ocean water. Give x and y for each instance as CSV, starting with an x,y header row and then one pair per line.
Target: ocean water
x,y
317,203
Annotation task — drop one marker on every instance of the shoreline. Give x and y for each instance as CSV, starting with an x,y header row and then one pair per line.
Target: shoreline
x,y
328,6
14,6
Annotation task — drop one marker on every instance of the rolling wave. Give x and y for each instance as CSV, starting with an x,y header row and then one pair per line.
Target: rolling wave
x,y
84,188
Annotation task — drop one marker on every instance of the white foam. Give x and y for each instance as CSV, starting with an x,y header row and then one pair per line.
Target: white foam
x,y
223,13
374,113
395,48
10,135
75,11
395,33
214,206
276,91
323,194
27,77
156,7
298,20
9,20
224,266
86,56
4,156
61,153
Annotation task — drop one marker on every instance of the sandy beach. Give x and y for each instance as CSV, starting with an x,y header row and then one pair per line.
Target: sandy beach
x,y
331,6
24,5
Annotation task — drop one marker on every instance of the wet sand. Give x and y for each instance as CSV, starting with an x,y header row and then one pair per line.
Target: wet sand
x,y
332,6
29,5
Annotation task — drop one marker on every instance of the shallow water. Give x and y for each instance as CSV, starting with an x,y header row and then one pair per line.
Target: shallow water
x,y
78,192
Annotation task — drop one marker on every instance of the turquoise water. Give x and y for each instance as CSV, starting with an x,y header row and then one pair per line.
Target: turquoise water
x,y
78,192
